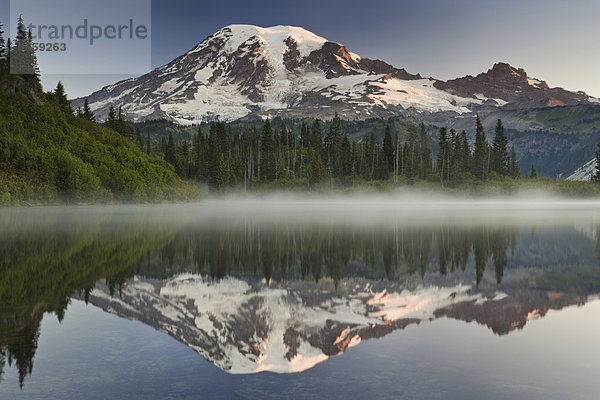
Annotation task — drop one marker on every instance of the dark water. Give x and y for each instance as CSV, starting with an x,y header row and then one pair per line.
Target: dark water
x,y
312,299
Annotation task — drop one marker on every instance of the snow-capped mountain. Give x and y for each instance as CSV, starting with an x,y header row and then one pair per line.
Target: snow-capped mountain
x,y
244,327
286,70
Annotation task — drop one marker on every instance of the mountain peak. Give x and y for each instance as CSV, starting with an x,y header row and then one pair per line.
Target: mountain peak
x,y
289,71
277,34
504,83
503,68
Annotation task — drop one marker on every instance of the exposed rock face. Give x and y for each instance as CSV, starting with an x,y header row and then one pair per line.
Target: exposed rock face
x,y
381,67
512,85
585,172
246,70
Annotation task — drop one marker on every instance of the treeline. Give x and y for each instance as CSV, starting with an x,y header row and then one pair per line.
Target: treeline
x,y
19,56
328,253
455,158
248,157
47,154
42,268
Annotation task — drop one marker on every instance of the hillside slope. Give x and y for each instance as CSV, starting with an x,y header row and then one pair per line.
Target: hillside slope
x,y
49,156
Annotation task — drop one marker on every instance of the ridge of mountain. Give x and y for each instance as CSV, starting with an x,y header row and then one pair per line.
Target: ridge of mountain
x,y
244,70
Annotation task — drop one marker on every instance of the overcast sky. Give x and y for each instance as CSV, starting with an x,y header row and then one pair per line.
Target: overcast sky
x,y
556,41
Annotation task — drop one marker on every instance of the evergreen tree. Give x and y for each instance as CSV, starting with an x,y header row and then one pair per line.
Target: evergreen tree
x,y
61,98
533,173
222,173
87,112
23,58
500,159
199,153
8,51
148,143
514,170
316,169
163,145
170,151
316,138
268,158
111,119
381,168
2,44
333,143
411,158
369,157
138,138
456,158
214,150
346,157
304,135
481,152
596,176
442,163
388,149
424,154
465,152
121,125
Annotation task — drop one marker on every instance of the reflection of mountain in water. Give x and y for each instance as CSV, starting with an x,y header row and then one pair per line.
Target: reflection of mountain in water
x,y
246,327
251,295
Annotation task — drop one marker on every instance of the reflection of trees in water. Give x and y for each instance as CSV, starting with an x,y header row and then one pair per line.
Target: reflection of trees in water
x,y
40,270
285,252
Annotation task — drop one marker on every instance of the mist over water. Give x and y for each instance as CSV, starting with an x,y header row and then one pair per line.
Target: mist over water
x,y
294,284
411,208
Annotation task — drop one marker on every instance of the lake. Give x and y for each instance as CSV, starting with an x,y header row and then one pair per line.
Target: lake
x,y
278,297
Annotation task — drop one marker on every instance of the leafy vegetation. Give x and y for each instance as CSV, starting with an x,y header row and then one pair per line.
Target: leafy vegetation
x,y
270,155
41,268
267,155
49,155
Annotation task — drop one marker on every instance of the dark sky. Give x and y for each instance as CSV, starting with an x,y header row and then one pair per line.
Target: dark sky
x,y
556,41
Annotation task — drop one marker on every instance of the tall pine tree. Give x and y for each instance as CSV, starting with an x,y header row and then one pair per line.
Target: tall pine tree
x,y
87,112
23,59
2,45
333,143
267,156
61,99
149,143
412,157
533,173
481,152
596,176
514,170
465,152
170,151
388,149
442,158
111,119
424,154
316,138
500,159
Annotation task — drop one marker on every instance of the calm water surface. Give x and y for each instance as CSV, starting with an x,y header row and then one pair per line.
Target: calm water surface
x,y
327,298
